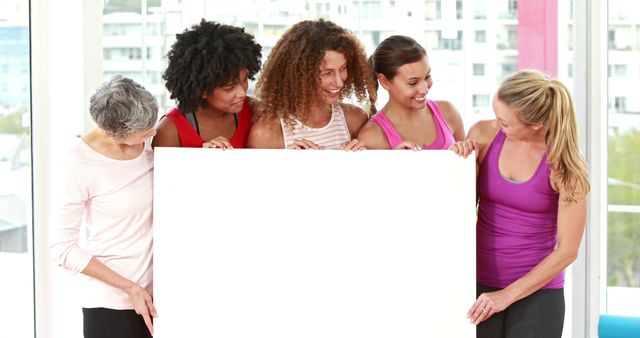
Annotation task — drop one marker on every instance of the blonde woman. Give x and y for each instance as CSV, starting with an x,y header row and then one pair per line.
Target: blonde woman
x,y
532,187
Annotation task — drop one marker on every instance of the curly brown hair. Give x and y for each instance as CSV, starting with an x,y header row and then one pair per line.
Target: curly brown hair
x,y
289,84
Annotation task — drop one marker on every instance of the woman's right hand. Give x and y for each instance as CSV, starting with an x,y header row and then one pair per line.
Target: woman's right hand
x,y
142,304
219,142
464,148
408,145
304,144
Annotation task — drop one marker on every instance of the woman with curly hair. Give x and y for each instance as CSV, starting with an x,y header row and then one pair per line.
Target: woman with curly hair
x,y
313,66
208,73
409,120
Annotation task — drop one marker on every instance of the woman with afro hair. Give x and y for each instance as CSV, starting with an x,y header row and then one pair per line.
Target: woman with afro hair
x,y
313,66
208,73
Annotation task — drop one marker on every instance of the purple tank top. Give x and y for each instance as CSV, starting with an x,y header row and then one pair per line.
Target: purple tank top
x,y
517,222
444,137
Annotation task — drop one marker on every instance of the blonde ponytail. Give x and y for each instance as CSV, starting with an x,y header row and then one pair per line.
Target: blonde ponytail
x,y
540,99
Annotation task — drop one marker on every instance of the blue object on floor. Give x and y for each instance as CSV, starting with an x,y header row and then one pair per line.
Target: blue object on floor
x,y
619,327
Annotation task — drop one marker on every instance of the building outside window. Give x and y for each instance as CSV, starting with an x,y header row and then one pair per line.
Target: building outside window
x,y
480,36
480,100
16,247
623,176
127,22
478,69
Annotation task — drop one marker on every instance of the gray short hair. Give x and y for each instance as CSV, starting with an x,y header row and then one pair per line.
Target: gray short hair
x,y
122,106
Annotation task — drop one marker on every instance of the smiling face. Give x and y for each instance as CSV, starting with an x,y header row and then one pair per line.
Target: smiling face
x,y
228,98
411,84
508,120
333,73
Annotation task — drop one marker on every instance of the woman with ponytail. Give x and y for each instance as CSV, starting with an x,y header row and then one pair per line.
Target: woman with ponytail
x,y
532,188
408,120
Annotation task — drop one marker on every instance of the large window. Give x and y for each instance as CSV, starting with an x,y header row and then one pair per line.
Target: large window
x,y
623,228
472,44
16,255
456,34
460,37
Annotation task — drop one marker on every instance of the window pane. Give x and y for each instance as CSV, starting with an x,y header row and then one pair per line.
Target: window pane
x,y
623,229
16,257
472,45
478,69
135,45
481,36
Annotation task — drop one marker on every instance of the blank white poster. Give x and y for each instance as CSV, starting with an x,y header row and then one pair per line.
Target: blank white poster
x,y
291,244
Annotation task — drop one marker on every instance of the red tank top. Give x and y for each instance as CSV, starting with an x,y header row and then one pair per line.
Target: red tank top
x,y
189,137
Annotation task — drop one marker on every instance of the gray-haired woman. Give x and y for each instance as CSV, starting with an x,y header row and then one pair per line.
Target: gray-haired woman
x,y
107,188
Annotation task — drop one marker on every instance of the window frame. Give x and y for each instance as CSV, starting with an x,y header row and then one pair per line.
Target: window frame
x,y
590,94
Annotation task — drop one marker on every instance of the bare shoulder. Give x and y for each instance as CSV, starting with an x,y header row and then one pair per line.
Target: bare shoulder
x,y
453,118
166,134
373,136
483,131
256,106
448,109
266,134
356,117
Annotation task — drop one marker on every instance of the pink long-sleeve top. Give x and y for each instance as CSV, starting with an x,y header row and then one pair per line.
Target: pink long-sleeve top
x,y
113,200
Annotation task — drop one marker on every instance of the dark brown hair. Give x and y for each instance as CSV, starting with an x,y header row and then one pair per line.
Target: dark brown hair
x,y
394,52
391,54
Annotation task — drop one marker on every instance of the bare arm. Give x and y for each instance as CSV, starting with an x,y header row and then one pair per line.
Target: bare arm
x,y
571,222
373,137
266,134
479,138
356,118
166,135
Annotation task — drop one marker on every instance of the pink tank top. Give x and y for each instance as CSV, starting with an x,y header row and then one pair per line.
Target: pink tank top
x,y
517,222
444,137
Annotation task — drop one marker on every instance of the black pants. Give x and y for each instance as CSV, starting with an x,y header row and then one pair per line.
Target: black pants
x,y
108,323
540,315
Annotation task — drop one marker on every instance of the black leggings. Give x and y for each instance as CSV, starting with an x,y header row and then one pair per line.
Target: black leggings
x,y
108,323
540,315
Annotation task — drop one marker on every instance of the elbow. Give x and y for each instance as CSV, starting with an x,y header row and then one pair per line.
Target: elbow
x,y
68,256
571,257
568,256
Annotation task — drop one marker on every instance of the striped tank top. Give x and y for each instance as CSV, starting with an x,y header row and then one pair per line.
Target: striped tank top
x,y
331,136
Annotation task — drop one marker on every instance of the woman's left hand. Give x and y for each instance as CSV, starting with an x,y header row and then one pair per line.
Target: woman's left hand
x,y
464,148
487,305
353,145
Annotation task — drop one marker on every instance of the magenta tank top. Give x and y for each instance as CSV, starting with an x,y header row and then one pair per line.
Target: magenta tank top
x,y
517,222
444,137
